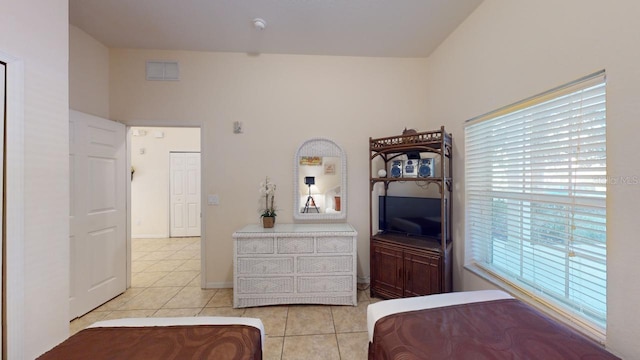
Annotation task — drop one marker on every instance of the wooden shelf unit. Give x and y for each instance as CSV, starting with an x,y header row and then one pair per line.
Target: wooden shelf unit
x,y
405,265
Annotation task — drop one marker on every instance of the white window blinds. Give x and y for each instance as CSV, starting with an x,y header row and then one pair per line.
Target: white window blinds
x,y
535,175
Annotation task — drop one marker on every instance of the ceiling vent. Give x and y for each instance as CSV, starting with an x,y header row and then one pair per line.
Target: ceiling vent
x,y
163,70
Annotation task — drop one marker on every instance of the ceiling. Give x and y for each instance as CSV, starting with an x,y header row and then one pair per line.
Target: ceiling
x,y
387,28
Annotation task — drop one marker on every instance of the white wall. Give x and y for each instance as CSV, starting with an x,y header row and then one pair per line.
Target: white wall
x,y
509,50
150,184
37,32
282,101
89,74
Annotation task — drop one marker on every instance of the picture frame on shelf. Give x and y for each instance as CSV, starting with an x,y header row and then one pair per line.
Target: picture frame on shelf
x,y
329,168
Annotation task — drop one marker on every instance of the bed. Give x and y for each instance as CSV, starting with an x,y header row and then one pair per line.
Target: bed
x,y
487,324
165,338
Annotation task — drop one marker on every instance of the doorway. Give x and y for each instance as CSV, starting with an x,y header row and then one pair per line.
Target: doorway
x,y
13,213
150,214
150,153
2,207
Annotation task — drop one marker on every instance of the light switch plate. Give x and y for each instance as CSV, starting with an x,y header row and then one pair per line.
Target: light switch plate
x,y
213,199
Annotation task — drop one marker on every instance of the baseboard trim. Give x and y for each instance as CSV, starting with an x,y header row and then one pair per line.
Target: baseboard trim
x,y
219,285
149,236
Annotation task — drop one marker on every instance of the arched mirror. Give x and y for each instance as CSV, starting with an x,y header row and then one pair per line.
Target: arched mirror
x,y
319,181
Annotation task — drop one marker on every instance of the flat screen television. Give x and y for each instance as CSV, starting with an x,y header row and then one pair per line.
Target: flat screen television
x,y
413,216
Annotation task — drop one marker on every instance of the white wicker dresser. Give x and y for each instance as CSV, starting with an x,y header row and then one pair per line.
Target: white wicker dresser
x,y
294,264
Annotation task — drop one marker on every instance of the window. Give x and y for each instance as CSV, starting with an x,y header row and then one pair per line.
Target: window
x,y
535,175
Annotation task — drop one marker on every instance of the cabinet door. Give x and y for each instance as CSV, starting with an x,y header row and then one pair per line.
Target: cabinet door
x,y
422,273
386,271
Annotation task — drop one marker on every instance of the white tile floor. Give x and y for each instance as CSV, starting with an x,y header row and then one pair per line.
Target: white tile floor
x,y
166,282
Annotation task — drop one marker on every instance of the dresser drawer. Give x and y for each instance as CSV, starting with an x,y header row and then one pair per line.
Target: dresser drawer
x,y
325,264
295,245
265,265
265,285
255,246
312,284
334,244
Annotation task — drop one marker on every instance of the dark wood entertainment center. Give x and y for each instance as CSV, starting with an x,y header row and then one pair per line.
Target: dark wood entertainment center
x,y
403,264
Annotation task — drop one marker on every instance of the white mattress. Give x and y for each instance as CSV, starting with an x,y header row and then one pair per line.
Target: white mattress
x,y
194,320
387,307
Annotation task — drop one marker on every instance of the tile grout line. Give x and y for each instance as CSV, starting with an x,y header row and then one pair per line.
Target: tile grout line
x,y
284,333
335,332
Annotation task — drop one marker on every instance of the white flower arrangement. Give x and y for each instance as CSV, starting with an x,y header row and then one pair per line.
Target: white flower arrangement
x,y
268,191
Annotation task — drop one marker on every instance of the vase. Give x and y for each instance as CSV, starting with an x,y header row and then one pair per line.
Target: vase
x,y
268,221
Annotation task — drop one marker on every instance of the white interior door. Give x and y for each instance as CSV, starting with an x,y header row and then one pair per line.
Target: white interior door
x,y
184,194
97,211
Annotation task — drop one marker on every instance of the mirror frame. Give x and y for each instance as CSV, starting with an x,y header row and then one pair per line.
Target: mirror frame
x,y
319,147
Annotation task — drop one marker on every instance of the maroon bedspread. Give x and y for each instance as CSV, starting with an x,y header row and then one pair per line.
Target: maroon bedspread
x,y
500,329
161,342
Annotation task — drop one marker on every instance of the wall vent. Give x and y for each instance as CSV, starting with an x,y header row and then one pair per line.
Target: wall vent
x,y
163,70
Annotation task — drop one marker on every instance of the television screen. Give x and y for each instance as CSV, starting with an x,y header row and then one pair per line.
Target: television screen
x,y
409,215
